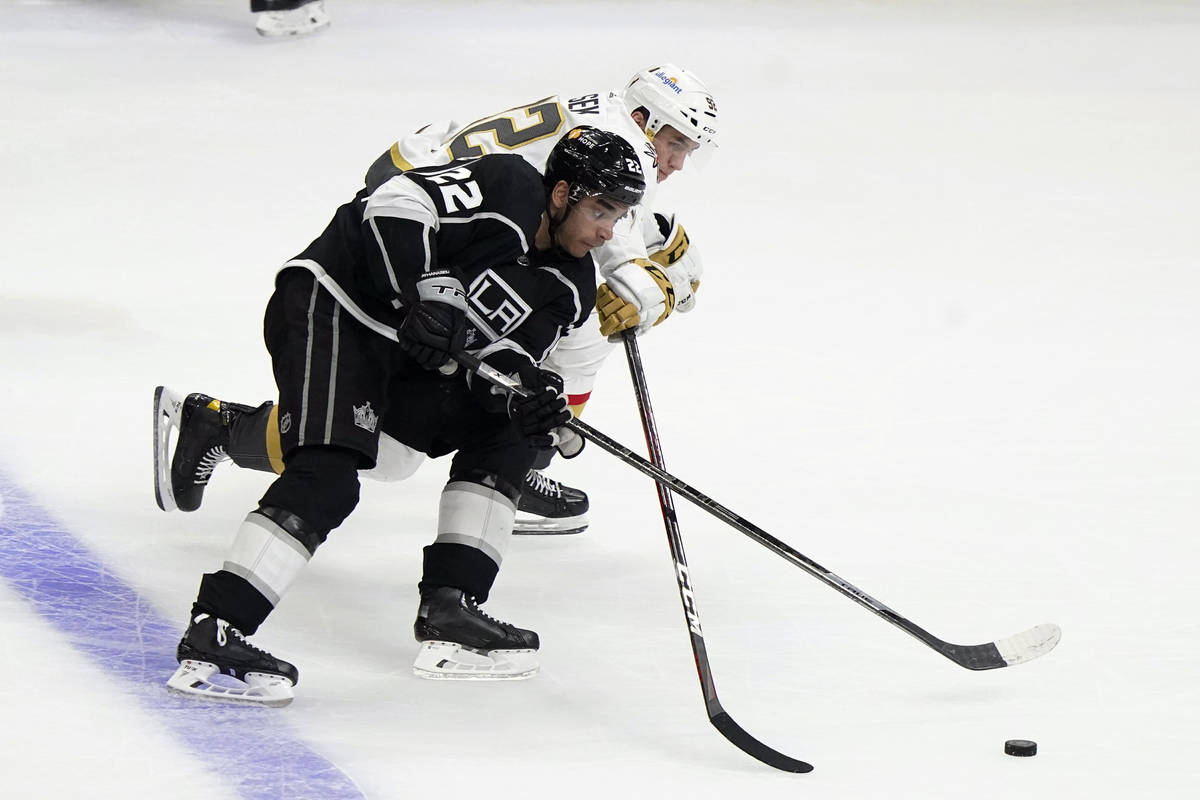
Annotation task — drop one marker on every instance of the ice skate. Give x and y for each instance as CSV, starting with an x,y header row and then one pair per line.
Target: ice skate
x,y
460,642
202,425
289,18
217,663
549,507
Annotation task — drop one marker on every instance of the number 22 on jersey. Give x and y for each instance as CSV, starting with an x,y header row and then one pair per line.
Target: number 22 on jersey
x,y
459,192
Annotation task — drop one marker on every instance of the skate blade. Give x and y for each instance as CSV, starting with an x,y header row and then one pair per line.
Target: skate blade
x,y
167,407
261,689
296,22
549,526
452,661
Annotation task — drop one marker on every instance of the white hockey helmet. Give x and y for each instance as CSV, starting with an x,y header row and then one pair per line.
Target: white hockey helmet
x,y
673,96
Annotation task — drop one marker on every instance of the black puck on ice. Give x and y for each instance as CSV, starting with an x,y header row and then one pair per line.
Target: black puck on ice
x,y
1020,747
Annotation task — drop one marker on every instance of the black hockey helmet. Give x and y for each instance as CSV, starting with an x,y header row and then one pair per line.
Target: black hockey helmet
x,y
596,163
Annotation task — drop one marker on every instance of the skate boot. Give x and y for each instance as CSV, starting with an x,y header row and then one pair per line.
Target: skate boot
x,y
289,17
549,507
459,641
200,445
216,662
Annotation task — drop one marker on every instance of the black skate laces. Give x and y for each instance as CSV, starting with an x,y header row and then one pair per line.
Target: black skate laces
x,y
473,605
543,485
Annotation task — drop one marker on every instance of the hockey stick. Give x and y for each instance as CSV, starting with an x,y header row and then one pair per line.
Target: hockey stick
x,y
716,714
1016,649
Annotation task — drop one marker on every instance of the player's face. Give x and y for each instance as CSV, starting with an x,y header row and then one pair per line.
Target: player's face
x,y
672,149
589,224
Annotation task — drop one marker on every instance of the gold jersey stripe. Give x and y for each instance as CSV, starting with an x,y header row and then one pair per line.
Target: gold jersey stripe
x,y
400,161
274,448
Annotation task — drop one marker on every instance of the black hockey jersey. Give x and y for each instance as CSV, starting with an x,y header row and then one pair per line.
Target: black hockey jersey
x,y
476,217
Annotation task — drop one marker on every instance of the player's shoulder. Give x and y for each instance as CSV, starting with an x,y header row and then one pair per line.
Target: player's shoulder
x,y
510,175
506,166
614,116
499,172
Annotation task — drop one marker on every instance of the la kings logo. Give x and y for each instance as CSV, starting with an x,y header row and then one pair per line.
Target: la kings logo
x,y
494,306
365,416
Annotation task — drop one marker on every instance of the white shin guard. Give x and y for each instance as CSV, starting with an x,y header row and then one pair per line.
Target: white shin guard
x,y
266,556
476,516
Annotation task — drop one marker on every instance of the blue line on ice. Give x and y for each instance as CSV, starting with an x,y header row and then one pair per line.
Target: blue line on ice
x,y
117,630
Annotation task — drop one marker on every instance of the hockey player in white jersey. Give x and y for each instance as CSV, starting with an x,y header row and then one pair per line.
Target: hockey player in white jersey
x,y
648,270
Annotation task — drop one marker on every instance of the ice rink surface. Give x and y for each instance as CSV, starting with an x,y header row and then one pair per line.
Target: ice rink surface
x,y
945,346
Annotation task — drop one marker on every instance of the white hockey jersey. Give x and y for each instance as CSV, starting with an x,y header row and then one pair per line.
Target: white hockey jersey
x,y
531,131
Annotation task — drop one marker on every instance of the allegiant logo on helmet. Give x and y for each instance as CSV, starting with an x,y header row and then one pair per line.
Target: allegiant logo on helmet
x,y
668,81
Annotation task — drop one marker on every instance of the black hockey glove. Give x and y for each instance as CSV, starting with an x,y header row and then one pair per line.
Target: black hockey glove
x,y
436,325
546,406
537,415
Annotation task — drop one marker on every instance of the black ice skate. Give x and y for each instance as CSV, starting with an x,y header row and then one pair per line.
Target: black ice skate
x,y
203,424
216,662
289,17
549,507
459,641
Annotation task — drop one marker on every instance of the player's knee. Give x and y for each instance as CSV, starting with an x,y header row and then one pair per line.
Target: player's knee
x,y
320,486
507,483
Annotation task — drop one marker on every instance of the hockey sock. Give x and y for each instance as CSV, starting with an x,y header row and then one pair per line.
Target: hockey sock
x,y
544,456
319,486
459,566
233,599
254,439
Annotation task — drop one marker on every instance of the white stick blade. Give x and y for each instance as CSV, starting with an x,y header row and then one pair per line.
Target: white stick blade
x,y
1030,644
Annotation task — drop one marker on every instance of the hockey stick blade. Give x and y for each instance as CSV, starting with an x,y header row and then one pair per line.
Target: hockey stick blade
x,y
753,747
1017,649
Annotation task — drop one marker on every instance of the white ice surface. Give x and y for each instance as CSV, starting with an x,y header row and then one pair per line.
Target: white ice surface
x,y
945,346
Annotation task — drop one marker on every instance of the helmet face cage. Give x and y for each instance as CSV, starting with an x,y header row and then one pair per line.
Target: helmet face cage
x,y
673,96
596,163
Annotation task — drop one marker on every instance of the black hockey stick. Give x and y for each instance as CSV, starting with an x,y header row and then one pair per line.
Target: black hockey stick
x,y
1016,649
716,714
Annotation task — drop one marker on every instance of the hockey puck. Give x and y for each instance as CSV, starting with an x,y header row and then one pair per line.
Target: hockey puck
x,y
1020,747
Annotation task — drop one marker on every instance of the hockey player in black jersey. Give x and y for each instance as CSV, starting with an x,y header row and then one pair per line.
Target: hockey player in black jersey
x,y
484,255
650,268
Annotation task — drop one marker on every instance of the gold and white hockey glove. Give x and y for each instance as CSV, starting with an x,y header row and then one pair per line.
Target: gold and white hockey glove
x,y
675,253
637,294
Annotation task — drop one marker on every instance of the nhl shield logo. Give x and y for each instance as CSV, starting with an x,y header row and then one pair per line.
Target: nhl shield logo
x,y
365,417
